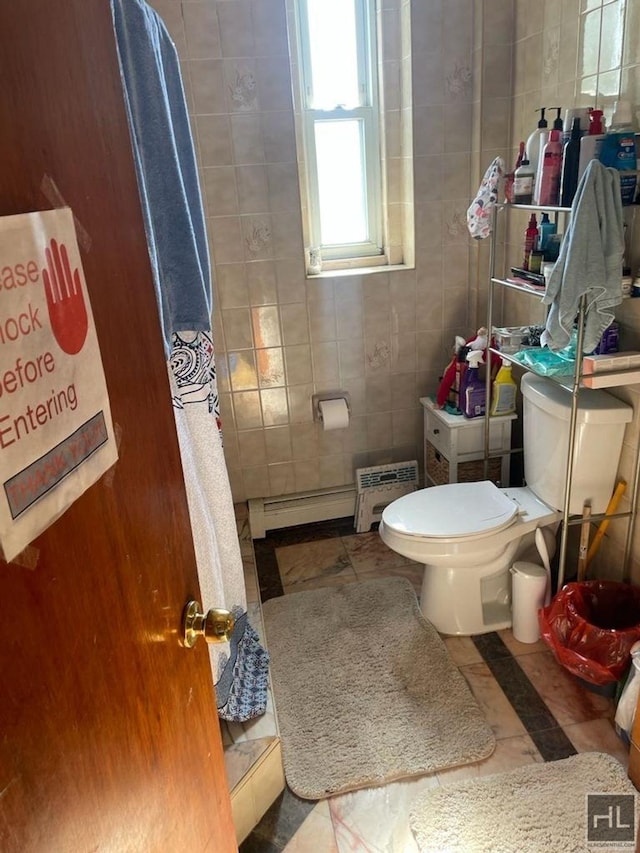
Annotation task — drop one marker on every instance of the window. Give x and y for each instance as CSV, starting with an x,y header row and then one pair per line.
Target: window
x,y
340,117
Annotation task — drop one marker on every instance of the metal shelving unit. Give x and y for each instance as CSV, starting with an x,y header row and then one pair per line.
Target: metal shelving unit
x,y
574,385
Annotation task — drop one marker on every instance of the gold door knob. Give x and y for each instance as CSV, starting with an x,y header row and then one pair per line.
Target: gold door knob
x,y
216,626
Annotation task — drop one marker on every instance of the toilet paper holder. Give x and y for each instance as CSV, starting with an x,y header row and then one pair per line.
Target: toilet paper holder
x,y
316,399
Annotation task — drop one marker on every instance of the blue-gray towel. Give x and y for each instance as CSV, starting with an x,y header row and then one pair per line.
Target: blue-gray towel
x,y
590,261
166,168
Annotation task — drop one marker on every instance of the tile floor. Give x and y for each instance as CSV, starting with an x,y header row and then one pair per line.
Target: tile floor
x,y
537,710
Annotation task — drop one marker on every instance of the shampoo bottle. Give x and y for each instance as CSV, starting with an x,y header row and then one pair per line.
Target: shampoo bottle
x,y
503,401
591,143
570,162
537,140
551,170
475,392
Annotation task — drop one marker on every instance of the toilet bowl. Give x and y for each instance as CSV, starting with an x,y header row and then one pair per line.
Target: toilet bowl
x,y
468,535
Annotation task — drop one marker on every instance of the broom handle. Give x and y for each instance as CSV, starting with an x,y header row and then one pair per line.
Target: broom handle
x,y
584,541
602,529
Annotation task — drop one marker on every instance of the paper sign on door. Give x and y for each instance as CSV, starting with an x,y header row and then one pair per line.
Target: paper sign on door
x,y
56,434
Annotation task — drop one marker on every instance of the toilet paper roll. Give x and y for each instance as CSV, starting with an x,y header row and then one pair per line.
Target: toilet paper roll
x,y
334,414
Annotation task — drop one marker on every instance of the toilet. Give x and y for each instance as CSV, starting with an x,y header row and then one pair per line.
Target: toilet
x,y
468,535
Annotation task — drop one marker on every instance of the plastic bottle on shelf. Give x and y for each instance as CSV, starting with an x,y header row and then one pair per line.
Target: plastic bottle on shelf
x,y
537,140
581,113
551,170
510,176
618,150
544,139
547,228
570,162
530,240
503,399
523,182
474,400
591,143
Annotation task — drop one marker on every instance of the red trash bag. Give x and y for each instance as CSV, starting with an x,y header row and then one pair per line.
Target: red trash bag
x,y
591,626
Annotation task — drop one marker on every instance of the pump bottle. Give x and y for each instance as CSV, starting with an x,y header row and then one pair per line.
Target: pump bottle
x,y
544,139
537,140
570,162
551,170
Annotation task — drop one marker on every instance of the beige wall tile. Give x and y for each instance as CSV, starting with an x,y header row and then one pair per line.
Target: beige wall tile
x,y
262,283
208,86
201,30
214,140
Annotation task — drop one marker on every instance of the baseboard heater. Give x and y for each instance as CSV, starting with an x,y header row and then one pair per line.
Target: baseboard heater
x,y
374,489
302,508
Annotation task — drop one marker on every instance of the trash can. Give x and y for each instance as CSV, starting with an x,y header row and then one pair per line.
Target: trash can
x,y
529,584
591,626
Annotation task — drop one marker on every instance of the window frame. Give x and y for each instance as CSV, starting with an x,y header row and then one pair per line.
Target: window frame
x,y
367,114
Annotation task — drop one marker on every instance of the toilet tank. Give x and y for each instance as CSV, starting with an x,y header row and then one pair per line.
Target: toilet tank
x,y
598,443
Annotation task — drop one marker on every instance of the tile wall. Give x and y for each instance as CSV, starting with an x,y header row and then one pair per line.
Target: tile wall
x,y
384,337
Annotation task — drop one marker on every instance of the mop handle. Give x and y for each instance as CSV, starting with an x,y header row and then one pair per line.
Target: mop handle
x,y
602,528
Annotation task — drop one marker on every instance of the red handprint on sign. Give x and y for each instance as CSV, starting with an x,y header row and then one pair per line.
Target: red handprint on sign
x,y
67,311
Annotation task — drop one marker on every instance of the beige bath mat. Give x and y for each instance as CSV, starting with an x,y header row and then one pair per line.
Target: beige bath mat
x,y
365,690
541,807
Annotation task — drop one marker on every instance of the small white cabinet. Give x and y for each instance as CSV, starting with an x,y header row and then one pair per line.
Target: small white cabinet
x,y
454,447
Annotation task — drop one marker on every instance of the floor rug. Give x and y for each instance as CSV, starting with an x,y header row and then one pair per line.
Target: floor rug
x,y
540,807
365,691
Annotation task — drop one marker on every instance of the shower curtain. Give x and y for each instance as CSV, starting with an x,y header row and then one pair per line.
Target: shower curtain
x,y
176,236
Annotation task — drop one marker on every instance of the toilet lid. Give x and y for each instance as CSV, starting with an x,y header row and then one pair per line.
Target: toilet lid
x,y
454,510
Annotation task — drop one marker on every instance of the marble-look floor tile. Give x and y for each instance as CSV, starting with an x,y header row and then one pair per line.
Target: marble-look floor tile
x,y
565,698
239,758
509,753
497,709
324,559
598,736
376,820
462,650
412,572
345,577
368,552
316,834
517,648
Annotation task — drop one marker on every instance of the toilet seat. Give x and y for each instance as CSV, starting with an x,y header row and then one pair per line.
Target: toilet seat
x,y
459,511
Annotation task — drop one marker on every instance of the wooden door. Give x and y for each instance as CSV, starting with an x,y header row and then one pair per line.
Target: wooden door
x,y
109,739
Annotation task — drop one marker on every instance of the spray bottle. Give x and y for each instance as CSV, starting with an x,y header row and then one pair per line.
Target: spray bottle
x,y
503,401
474,401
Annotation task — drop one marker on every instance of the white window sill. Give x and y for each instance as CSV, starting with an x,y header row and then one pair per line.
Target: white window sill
x,y
365,270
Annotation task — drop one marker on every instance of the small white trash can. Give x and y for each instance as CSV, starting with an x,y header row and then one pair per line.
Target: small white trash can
x,y
529,584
